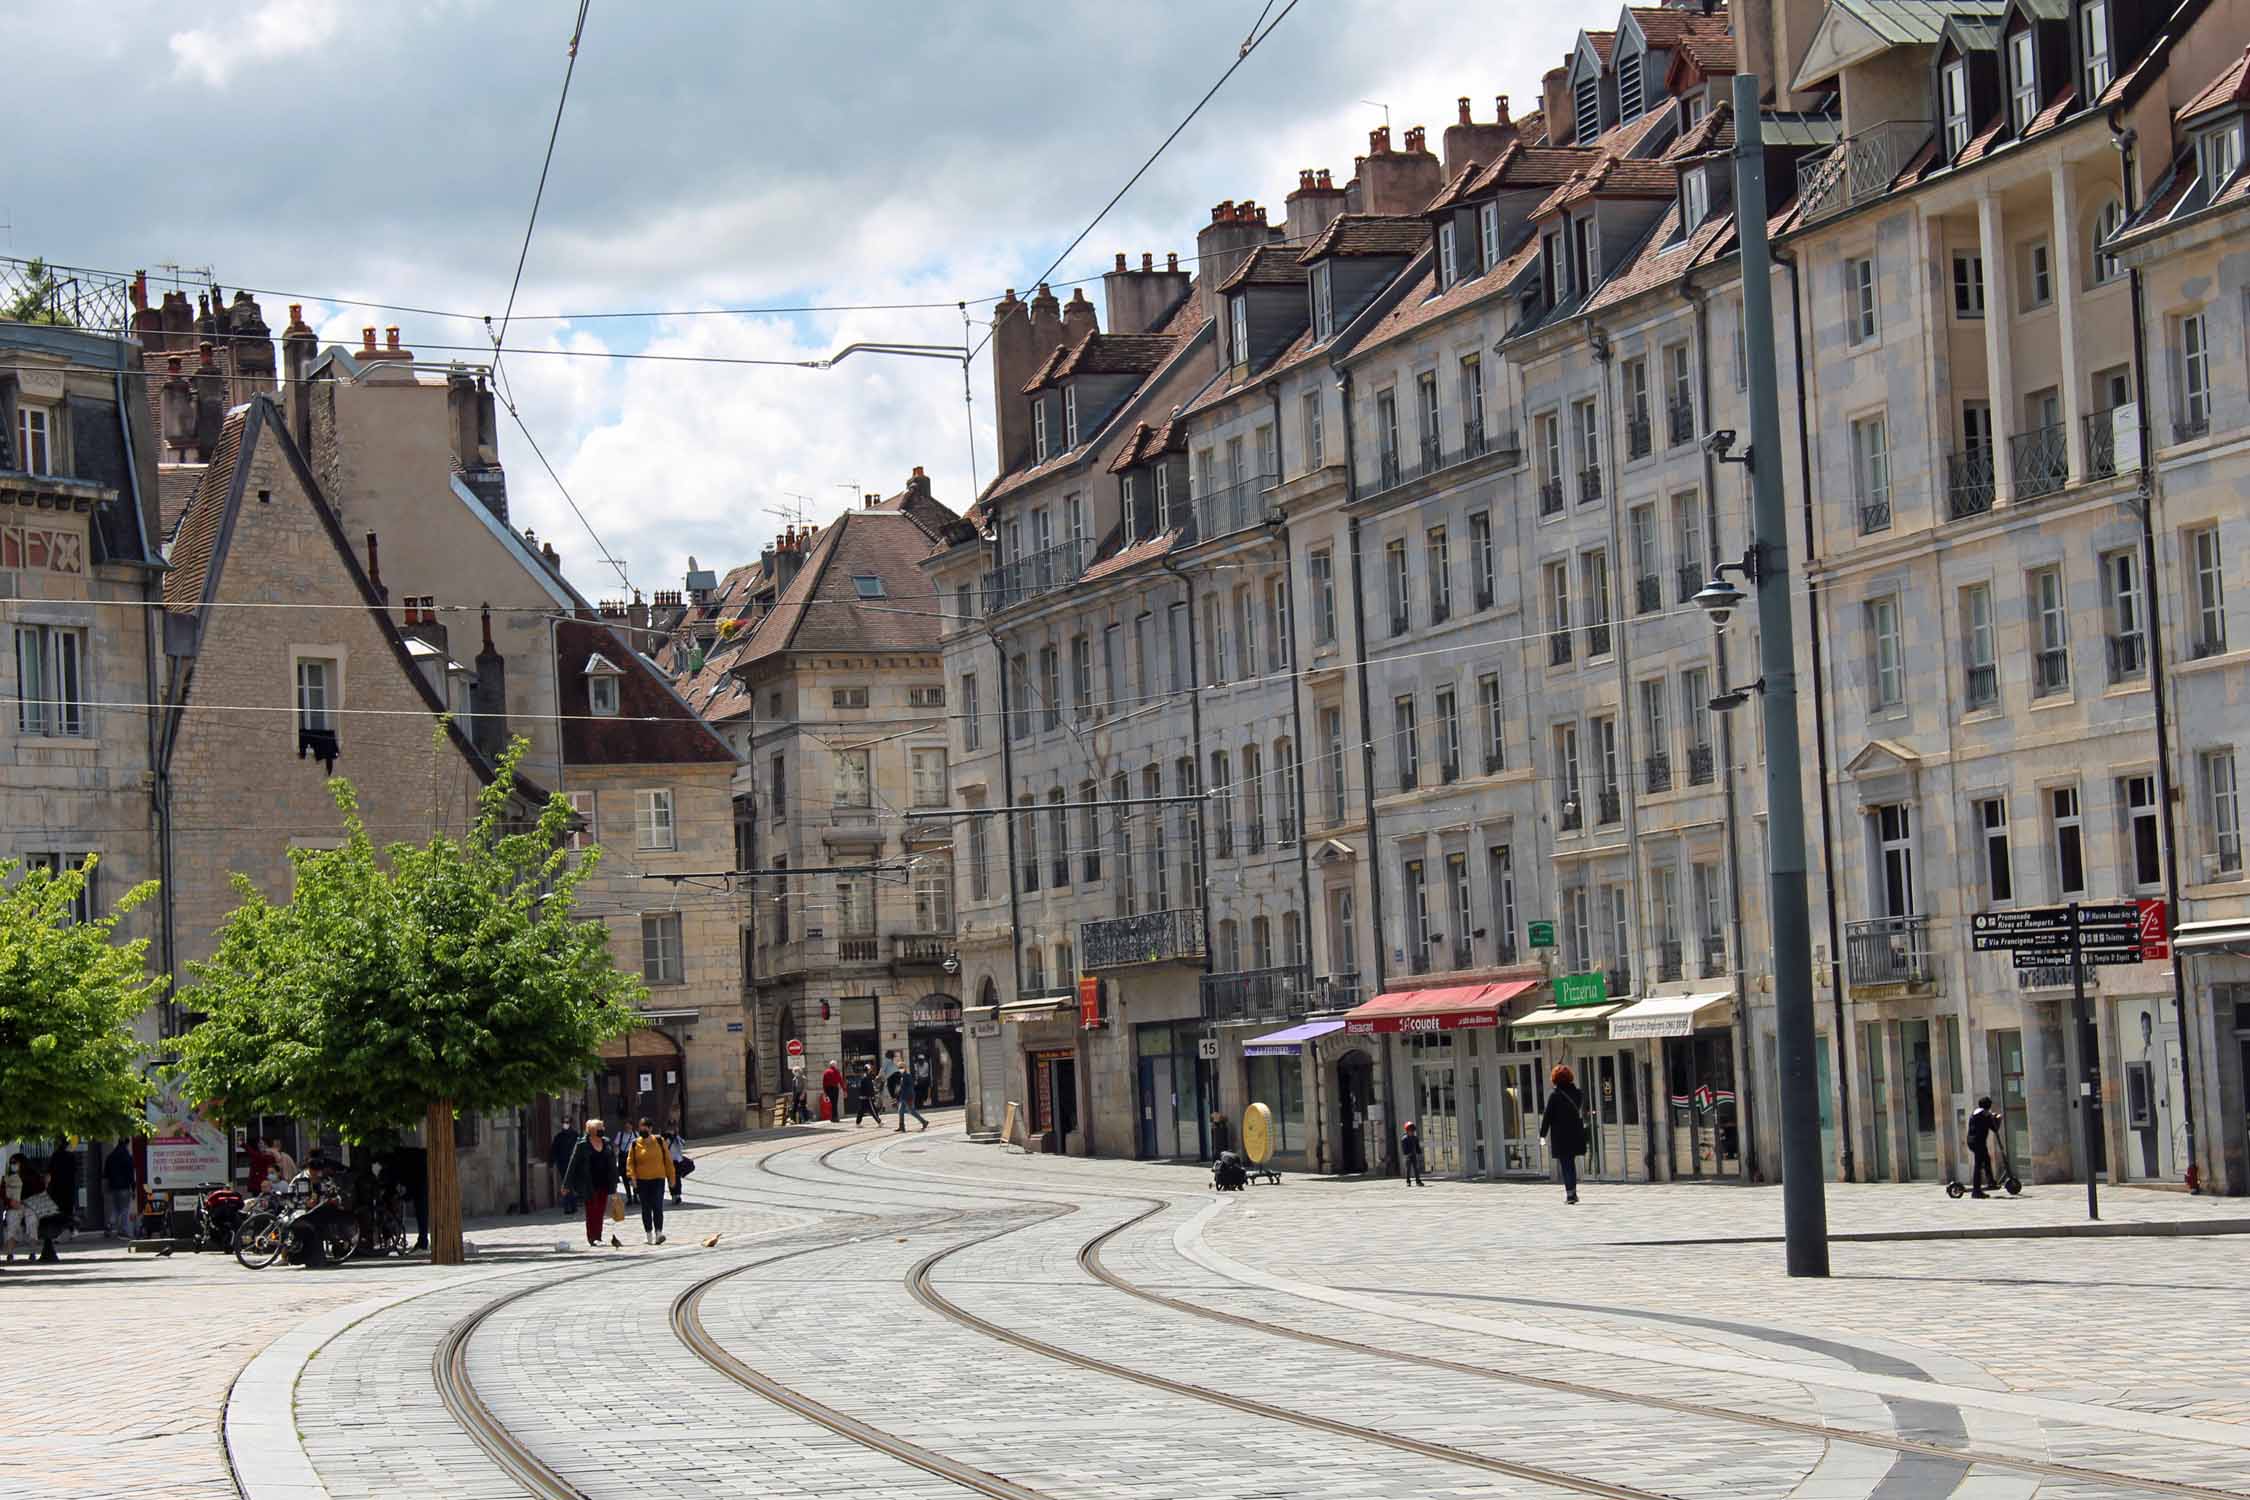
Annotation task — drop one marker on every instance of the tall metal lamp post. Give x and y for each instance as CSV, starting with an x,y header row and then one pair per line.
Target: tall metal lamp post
x,y
1765,566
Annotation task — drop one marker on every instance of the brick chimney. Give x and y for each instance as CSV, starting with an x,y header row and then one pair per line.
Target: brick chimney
x,y
1235,230
299,348
210,384
461,420
1554,98
375,569
1466,140
1399,182
175,405
1312,205
1023,335
177,321
918,484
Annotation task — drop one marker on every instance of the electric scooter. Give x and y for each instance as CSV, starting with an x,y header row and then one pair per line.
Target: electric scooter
x,y
2008,1178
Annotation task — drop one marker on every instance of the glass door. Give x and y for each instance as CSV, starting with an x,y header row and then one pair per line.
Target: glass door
x,y
1921,1083
1436,1120
1824,1067
2005,1049
1520,1103
1878,1097
1160,1125
1679,1093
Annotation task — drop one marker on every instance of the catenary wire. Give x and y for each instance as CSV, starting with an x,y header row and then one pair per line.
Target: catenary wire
x,y
546,164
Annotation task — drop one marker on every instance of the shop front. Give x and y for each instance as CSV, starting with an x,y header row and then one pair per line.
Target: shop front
x,y
1691,1041
2215,954
1177,1089
1439,1056
1570,1034
933,1049
1043,1033
1274,1074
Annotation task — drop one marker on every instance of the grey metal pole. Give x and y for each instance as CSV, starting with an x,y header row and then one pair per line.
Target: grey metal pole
x,y
1804,1208
2085,1070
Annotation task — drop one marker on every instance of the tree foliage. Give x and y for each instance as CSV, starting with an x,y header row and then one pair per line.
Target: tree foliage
x,y
69,994
454,972
35,299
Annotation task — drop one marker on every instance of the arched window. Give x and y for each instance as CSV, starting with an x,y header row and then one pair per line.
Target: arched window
x,y
2107,222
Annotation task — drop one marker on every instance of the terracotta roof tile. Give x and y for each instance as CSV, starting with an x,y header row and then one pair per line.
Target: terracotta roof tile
x,y
1713,133
1668,26
1664,258
653,726
1423,303
1531,129
198,538
1116,354
1133,556
1603,42
1046,370
1523,166
1369,234
1268,265
2231,86
822,610
1455,188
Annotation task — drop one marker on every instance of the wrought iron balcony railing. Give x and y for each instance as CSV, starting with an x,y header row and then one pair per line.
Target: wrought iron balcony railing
x,y
2039,461
1648,594
1233,508
1150,937
1688,580
1656,772
1858,168
2050,672
1714,960
1278,994
1608,806
1874,514
1589,484
1550,496
1679,422
1968,483
2128,657
1431,457
1983,685
1558,649
1670,963
1033,574
1702,765
1636,437
1888,950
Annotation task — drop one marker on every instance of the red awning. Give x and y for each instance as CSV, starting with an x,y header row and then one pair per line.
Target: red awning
x,y
1465,1006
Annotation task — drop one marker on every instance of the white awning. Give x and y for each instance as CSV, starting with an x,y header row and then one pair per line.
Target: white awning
x,y
1665,1015
1031,1010
2227,934
1558,1021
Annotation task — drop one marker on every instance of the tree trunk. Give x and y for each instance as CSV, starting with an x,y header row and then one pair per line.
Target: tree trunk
x,y
445,1185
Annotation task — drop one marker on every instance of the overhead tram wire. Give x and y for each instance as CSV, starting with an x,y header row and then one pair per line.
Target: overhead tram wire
x,y
539,194
1249,45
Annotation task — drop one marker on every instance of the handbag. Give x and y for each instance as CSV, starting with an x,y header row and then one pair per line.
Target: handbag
x,y
40,1206
616,1209
682,1165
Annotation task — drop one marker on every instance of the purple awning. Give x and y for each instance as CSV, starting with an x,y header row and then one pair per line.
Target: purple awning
x,y
1287,1042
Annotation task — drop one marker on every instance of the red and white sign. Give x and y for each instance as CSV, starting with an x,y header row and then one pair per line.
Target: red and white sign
x,y
1452,1020
2156,936
1417,1012
796,1047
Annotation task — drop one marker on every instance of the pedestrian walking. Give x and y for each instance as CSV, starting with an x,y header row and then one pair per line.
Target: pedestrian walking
x,y
117,1189
409,1168
1983,1121
648,1170
797,1111
832,1092
1563,1123
558,1160
62,1181
1410,1152
864,1103
16,1223
591,1174
682,1163
909,1095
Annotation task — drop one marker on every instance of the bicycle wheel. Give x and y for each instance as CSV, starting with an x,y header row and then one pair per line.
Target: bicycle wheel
x,y
257,1241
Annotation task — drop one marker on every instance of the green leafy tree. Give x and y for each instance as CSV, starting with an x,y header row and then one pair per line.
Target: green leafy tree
x,y
69,993
395,989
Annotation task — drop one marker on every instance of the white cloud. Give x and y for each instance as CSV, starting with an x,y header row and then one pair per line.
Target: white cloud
x,y
276,29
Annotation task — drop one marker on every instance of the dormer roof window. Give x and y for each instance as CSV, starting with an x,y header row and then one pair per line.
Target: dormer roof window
x,y
1070,416
602,678
1488,233
2218,155
1323,302
1448,255
869,586
1695,199
2093,47
1039,429
1953,80
1586,107
1629,74
2023,79
1238,329
1590,246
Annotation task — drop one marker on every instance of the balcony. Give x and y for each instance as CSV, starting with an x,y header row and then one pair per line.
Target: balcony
x,y
1558,648
1401,621
1283,994
1237,507
1044,991
1597,639
2128,657
1689,579
1874,514
1449,771
1589,484
2192,426
1504,952
1152,937
1441,608
1550,496
1713,964
2039,461
1494,762
1608,807
1430,458
1656,773
1983,685
1418,959
920,950
1968,483
2101,438
1570,817
1636,437
1679,422
1671,961
2050,672
1648,594
1702,766
1464,954
2207,641
1889,950
1617,978
1035,573
1858,169
1338,991
859,950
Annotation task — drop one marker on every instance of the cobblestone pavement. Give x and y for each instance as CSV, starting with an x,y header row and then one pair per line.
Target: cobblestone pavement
x,y
1644,1340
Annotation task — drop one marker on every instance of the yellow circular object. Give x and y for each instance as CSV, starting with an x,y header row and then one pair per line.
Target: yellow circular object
x,y
1257,1133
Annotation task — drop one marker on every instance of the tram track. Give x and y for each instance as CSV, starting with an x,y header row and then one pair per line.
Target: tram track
x,y
1090,1260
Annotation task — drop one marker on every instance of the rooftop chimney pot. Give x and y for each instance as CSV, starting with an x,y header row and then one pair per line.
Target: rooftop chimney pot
x,y
390,337
367,340
1120,260
1464,109
1172,261
1503,109
1379,141
1148,261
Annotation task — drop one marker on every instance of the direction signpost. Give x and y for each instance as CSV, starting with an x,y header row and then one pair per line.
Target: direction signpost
x,y
2082,934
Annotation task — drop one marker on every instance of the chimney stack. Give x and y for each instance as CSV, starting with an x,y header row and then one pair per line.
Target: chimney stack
x,y
1078,319
252,344
1554,98
375,569
1469,141
918,484
175,405
178,322
298,349
488,697
1222,245
1399,182
1311,206
1023,335
210,385
461,416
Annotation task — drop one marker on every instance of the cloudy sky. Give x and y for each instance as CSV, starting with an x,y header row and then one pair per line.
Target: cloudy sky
x,y
715,154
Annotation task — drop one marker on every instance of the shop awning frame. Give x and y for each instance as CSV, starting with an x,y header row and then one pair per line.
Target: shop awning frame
x,y
1032,1010
2224,935
1551,1021
1664,1015
1462,1007
1290,1040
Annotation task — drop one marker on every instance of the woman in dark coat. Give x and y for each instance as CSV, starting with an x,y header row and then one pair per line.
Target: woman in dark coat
x,y
592,1177
1563,1123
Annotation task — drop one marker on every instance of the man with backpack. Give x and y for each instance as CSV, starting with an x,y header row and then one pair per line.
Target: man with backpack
x,y
1983,1121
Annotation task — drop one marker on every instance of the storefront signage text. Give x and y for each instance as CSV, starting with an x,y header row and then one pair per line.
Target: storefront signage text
x,y
1466,1020
1581,989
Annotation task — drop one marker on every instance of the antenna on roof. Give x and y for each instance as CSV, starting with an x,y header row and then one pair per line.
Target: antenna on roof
x,y
1385,108
795,513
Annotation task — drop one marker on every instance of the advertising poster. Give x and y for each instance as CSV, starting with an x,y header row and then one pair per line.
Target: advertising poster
x,y
185,1150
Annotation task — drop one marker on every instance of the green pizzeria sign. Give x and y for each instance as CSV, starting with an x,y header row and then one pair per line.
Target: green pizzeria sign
x,y
1580,989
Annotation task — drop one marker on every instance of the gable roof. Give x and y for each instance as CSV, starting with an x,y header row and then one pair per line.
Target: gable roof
x,y
1268,265
1368,234
1114,354
821,609
653,725
2232,86
1852,31
199,558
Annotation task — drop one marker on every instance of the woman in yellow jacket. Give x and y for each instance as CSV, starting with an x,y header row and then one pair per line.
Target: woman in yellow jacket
x,y
648,1167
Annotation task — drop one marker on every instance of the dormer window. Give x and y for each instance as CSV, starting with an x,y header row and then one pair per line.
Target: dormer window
x,y
1590,246
1692,110
1695,199
1955,84
2023,80
1070,416
1555,267
1587,107
1126,496
35,439
1039,429
1448,255
1488,233
1629,104
2093,47
1238,328
601,686
2217,154
1323,303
